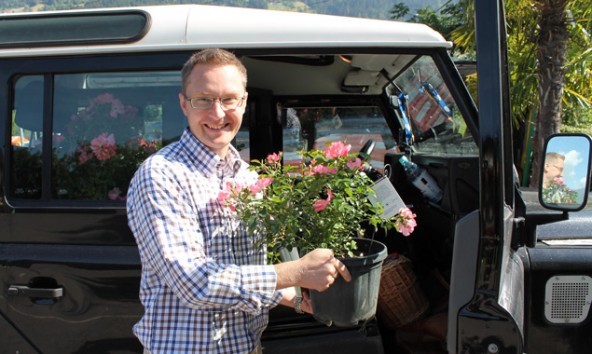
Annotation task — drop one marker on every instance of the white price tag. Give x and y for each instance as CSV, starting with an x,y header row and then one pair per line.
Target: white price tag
x,y
388,197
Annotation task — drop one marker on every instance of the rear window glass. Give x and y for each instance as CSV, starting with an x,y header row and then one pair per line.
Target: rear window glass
x,y
63,29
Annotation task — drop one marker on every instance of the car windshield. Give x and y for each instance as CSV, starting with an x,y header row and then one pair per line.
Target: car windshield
x,y
427,112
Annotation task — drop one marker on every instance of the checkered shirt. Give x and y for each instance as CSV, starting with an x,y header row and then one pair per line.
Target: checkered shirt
x,y
205,286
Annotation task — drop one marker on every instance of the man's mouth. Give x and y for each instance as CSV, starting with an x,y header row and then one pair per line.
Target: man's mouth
x,y
216,127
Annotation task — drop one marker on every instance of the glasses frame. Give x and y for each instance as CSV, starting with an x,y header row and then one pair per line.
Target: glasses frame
x,y
239,103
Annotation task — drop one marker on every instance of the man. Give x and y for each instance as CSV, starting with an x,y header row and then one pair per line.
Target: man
x,y
205,286
553,168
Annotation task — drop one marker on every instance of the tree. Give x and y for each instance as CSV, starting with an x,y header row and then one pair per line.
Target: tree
x,y
444,19
552,46
549,57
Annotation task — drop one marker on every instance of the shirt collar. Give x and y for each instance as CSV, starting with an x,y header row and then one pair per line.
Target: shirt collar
x,y
206,158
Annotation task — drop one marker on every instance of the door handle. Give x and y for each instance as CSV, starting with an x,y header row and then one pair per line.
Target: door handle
x,y
26,291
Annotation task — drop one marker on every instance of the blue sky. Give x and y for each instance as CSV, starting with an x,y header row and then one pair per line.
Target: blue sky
x,y
577,156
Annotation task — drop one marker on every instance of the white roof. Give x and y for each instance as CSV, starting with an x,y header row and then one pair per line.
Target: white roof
x,y
187,27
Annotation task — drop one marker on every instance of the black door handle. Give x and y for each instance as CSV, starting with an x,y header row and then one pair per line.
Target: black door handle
x,y
26,291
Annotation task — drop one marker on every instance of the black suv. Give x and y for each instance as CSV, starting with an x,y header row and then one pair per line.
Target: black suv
x,y
491,277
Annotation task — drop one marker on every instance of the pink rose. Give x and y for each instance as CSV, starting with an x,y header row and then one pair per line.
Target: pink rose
x,y
408,224
355,164
260,185
115,194
103,146
104,98
223,195
322,204
337,149
84,156
273,158
558,180
323,169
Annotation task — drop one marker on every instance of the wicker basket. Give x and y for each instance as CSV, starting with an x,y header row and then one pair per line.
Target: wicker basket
x,y
400,299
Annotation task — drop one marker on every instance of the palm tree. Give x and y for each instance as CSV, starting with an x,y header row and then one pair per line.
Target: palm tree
x,y
552,46
549,53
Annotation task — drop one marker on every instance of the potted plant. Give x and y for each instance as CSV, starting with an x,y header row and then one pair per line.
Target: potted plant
x,y
558,192
325,201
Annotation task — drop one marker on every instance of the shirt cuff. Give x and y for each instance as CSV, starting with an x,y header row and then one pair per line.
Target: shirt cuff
x,y
260,281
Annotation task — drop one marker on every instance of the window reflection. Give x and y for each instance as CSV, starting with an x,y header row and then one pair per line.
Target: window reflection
x,y
103,127
27,138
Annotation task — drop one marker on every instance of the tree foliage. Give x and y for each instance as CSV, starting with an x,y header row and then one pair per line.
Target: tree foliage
x,y
549,54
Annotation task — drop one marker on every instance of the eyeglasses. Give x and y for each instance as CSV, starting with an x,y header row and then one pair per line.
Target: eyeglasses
x,y
227,103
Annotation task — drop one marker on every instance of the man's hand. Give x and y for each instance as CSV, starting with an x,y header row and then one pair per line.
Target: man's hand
x,y
316,270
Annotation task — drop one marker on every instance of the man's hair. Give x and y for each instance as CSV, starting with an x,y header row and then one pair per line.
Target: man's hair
x,y
554,156
213,57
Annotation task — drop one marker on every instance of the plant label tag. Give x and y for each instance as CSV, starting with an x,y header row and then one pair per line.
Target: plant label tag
x,y
388,197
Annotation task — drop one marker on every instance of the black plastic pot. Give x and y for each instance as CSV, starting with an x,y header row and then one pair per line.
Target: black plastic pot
x,y
345,304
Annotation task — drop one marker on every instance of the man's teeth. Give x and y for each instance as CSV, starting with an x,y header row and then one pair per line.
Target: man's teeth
x,y
216,127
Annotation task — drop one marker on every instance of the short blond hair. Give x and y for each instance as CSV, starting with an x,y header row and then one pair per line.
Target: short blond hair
x,y
214,57
553,156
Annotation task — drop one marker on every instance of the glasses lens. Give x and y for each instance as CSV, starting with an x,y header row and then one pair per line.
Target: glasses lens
x,y
227,103
230,102
202,102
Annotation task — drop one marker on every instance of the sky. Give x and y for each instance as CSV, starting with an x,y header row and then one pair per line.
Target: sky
x,y
577,158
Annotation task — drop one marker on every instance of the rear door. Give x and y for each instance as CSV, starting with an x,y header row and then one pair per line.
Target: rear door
x,y
70,266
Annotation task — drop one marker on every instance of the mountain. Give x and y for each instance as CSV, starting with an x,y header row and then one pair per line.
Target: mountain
x,y
356,8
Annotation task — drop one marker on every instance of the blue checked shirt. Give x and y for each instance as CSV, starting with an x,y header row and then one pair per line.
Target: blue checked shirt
x,y
204,287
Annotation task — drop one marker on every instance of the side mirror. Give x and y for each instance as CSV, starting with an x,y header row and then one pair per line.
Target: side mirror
x,y
565,172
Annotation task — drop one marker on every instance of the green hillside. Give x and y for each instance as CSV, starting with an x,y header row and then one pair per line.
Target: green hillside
x,y
356,8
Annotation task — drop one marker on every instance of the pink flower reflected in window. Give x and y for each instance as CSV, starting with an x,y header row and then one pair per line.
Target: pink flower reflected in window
x,y
103,146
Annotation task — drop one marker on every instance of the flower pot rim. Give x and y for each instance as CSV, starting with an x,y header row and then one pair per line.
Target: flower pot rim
x,y
371,258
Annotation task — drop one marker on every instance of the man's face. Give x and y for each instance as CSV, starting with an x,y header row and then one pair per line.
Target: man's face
x,y
215,127
553,169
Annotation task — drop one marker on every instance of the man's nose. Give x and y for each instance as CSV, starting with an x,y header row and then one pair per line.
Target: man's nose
x,y
217,110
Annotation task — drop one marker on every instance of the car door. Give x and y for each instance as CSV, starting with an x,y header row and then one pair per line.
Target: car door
x,y
70,266
492,320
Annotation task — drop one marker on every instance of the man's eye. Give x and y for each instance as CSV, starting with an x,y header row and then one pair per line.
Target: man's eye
x,y
203,101
229,101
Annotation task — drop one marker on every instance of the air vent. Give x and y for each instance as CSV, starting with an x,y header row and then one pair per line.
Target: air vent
x,y
567,298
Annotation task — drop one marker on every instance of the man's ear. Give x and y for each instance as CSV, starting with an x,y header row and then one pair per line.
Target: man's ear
x,y
185,107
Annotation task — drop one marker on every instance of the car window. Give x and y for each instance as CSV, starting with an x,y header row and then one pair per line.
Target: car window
x,y
27,138
316,127
427,111
104,126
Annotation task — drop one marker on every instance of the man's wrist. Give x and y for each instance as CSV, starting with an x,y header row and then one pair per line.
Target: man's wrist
x,y
298,304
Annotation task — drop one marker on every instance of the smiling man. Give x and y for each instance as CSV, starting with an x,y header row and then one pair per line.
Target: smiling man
x,y
214,99
205,286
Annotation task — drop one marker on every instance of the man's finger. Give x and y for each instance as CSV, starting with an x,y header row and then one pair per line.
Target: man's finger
x,y
342,269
